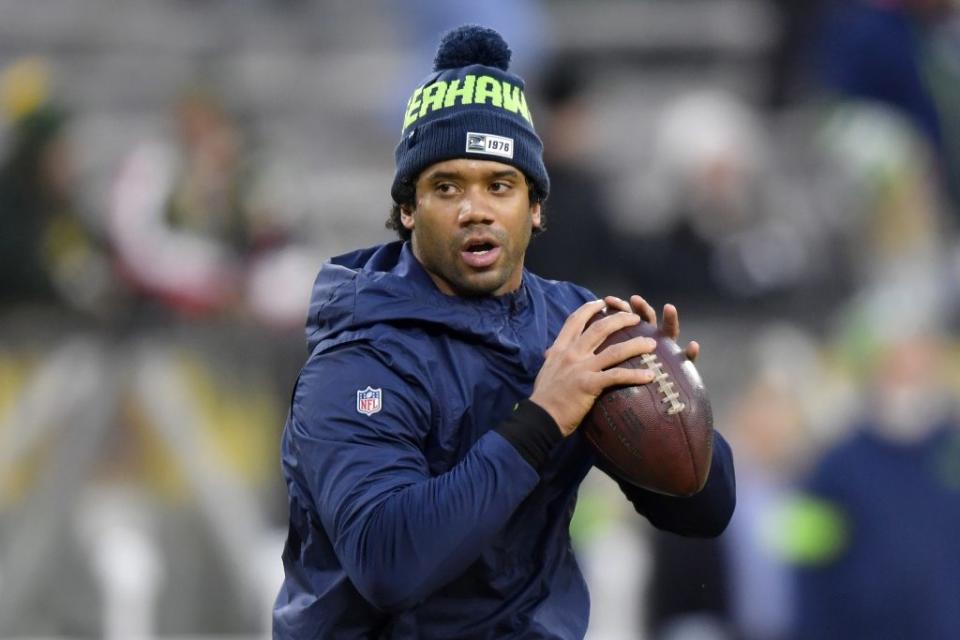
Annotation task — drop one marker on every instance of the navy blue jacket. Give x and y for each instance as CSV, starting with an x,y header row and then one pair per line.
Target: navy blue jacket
x,y
896,570
415,518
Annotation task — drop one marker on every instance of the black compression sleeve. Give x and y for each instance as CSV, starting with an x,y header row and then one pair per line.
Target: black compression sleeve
x,y
532,432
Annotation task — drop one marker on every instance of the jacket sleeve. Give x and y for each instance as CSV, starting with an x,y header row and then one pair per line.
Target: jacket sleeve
x,y
704,515
398,532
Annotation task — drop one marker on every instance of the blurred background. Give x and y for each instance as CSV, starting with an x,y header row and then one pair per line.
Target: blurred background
x,y
173,173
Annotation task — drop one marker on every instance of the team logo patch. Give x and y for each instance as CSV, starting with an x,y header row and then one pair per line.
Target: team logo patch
x,y
489,144
369,401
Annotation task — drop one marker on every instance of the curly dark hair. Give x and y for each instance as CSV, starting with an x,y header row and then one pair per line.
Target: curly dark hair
x,y
408,197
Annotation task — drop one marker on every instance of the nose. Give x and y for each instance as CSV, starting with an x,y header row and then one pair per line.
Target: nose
x,y
473,210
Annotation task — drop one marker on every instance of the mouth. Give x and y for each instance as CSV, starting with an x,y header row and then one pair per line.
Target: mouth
x,y
480,252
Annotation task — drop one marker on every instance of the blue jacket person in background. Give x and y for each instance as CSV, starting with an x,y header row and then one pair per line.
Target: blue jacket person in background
x,y
431,450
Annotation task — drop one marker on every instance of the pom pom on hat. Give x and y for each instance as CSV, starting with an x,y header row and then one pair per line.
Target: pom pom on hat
x,y
472,44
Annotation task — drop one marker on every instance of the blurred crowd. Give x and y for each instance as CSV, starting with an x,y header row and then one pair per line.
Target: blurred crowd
x,y
786,172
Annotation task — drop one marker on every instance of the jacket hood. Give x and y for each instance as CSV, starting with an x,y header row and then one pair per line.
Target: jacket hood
x,y
358,291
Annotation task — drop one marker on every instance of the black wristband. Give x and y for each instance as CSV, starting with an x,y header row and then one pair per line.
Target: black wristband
x,y
532,432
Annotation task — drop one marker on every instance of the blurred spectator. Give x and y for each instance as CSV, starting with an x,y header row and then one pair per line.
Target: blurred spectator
x,y
723,230
179,219
873,50
774,446
579,244
900,53
47,251
893,220
877,533
198,234
193,226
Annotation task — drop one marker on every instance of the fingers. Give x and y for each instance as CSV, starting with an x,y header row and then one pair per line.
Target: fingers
x,y
617,303
573,327
621,376
643,309
622,351
671,322
594,336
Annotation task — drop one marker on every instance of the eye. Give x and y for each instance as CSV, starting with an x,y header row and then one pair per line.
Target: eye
x,y
500,187
446,188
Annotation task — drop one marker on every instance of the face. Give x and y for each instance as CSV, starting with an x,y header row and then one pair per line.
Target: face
x,y
911,398
471,226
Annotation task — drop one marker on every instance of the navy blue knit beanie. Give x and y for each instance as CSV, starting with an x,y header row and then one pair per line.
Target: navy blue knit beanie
x,y
469,107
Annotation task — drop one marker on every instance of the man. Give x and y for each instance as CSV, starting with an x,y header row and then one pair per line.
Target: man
x,y
885,499
431,451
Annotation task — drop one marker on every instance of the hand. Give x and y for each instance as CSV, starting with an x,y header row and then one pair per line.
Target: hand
x,y
574,375
671,320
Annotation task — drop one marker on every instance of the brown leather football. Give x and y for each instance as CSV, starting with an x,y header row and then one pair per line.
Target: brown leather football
x,y
658,436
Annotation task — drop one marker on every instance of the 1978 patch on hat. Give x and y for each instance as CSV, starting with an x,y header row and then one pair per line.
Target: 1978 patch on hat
x,y
489,144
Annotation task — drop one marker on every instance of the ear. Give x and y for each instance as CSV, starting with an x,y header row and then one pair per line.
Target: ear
x,y
535,215
406,217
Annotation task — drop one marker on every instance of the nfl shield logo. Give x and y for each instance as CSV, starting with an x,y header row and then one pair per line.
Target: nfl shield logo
x,y
368,401
476,142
